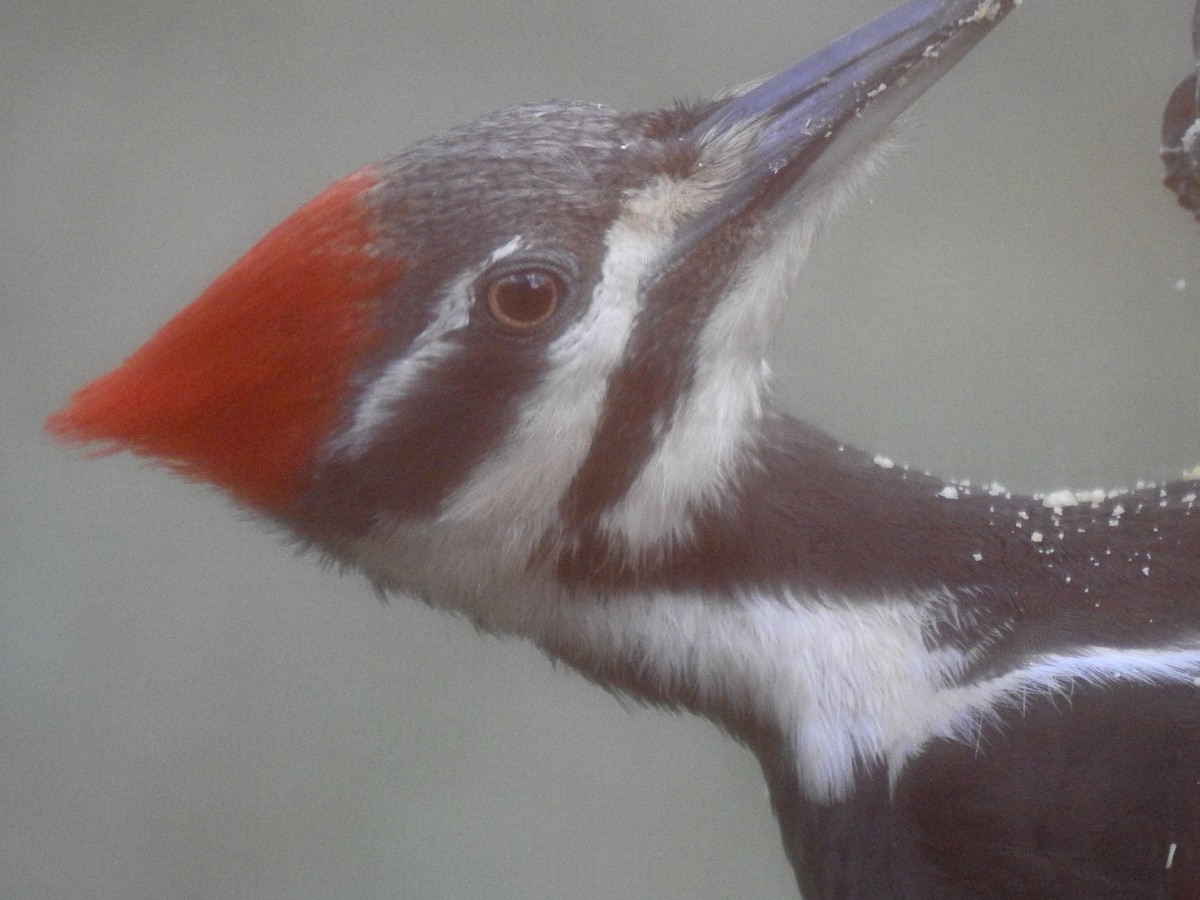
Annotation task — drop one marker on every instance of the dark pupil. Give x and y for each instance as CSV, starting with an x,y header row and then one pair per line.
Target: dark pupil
x,y
525,298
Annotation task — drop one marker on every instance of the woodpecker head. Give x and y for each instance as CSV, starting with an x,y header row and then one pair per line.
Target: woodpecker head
x,y
535,333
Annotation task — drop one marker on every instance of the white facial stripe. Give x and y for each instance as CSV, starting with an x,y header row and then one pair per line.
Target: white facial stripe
x,y
854,684
846,681
504,251
710,431
697,457
523,481
425,352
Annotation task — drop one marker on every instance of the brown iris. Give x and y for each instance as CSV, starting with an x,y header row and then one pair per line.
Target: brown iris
x,y
524,299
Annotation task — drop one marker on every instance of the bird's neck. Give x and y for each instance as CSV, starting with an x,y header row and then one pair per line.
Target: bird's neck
x,y
833,611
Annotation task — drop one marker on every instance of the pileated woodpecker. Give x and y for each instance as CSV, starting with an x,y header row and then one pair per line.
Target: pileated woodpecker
x,y
518,372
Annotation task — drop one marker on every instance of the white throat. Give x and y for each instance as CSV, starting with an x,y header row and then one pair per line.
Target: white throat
x,y
852,684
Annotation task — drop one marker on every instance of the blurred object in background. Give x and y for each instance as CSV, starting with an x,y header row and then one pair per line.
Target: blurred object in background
x,y
1181,133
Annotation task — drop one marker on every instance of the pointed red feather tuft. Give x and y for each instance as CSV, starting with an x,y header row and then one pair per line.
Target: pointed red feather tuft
x,y
240,387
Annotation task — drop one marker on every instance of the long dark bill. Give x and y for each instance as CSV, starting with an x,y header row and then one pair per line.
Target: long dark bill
x,y
837,102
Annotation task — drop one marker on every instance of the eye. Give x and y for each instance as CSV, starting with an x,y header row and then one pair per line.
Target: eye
x,y
524,299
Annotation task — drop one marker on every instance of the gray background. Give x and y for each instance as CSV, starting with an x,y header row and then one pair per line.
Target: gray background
x,y
188,710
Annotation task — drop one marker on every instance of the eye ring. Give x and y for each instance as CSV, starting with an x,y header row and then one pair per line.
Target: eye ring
x,y
522,299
